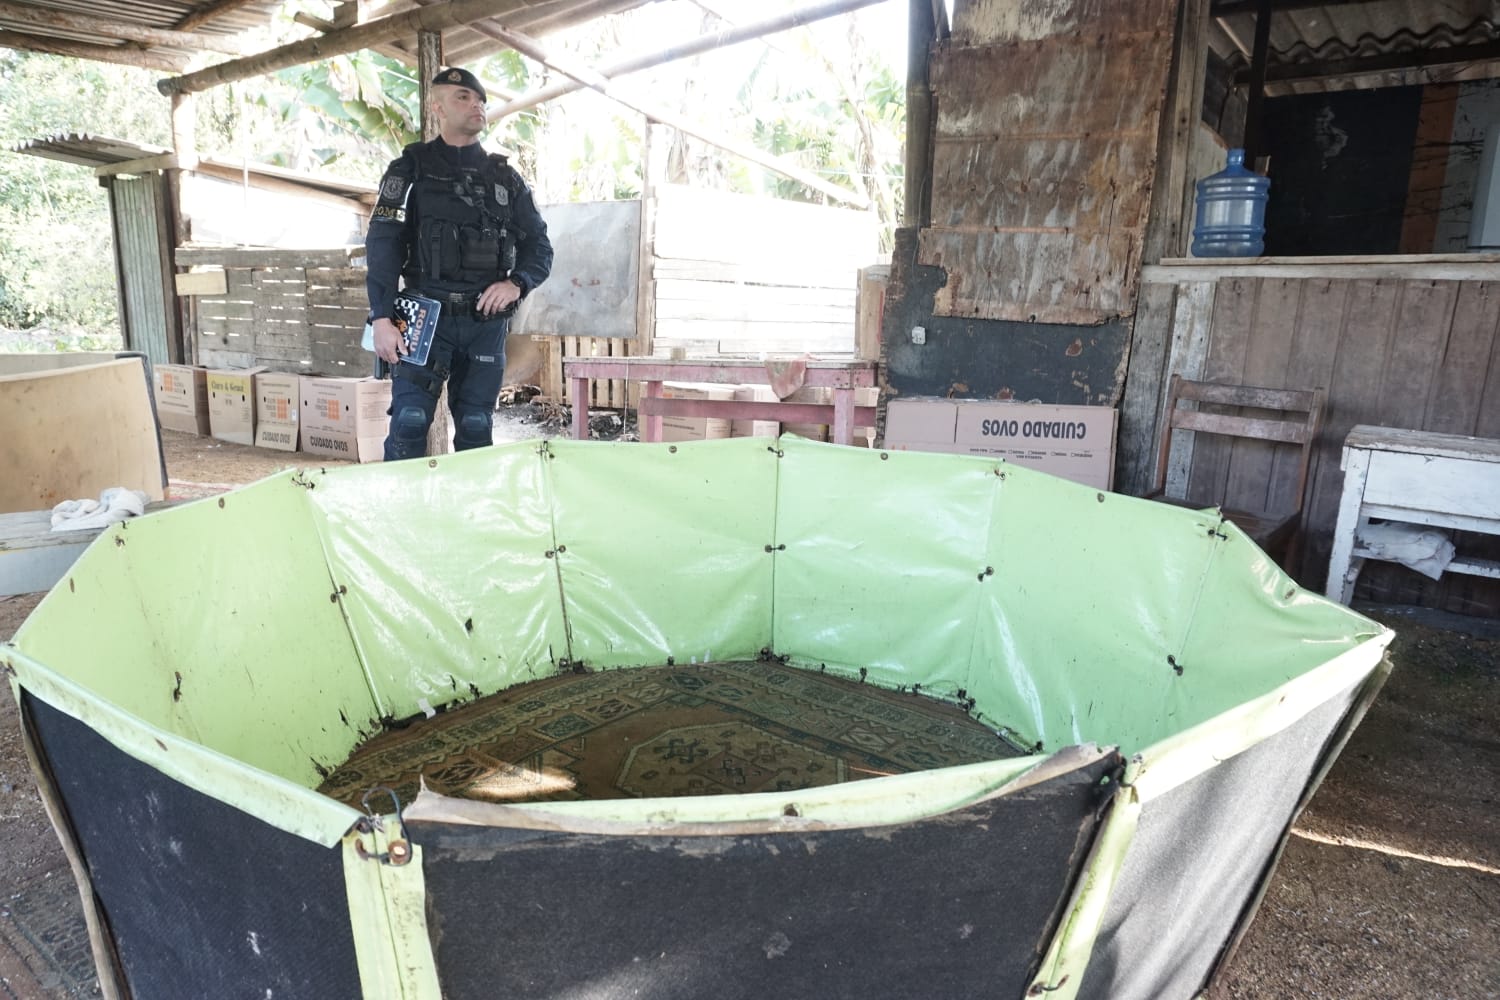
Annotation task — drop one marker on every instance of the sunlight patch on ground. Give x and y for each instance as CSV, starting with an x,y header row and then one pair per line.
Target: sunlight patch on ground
x,y
1370,845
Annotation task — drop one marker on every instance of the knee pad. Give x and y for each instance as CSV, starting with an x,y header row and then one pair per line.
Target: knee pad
x,y
474,430
408,434
411,423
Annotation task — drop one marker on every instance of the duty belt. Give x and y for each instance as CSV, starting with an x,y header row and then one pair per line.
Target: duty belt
x,y
465,304
454,299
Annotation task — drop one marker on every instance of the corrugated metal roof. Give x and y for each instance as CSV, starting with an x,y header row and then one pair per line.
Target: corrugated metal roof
x,y
1305,37
100,151
87,150
79,27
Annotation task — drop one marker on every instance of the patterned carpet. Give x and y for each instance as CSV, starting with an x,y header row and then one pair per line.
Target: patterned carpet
x,y
705,729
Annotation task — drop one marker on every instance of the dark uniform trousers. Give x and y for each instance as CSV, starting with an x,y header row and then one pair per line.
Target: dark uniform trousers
x,y
470,354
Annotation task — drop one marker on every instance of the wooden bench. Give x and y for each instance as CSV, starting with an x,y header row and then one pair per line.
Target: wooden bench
x,y
33,557
841,377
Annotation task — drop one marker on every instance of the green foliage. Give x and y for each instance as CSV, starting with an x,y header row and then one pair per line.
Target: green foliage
x,y
57,270
354,110
819,97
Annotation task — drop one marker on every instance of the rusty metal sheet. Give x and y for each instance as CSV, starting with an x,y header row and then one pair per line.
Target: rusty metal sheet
x,y
595,275
1044,156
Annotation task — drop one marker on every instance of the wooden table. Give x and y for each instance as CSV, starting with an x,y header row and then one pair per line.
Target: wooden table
x,y
1414,477
841,377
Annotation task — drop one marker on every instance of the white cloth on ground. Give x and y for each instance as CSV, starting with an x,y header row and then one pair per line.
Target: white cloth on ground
x,y
115,504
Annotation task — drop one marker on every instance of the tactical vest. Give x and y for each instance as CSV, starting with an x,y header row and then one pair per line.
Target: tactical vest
x,y
465,235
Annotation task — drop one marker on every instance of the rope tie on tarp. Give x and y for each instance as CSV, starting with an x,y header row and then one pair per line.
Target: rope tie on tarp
x,y
398,849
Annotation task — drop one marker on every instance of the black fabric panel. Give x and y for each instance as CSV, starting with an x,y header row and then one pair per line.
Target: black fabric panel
x,y
1196,861
969,358
202,900
956,906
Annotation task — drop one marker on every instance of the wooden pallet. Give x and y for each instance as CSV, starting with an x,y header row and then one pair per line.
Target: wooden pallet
x,y
608,394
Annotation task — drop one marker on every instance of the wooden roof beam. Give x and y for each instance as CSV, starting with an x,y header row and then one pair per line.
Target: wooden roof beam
x,y
692,47
387,49
31,16
590,78
453,14
127,55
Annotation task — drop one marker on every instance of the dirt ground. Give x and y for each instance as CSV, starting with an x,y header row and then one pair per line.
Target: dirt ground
x,y
1389,886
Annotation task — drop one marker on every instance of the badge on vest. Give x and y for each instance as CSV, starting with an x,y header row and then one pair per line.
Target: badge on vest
x,y
502,196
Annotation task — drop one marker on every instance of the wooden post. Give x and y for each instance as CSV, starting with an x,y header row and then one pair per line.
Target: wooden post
x,y
921,27
653,169
1171,188
182,349
429,61
1255,98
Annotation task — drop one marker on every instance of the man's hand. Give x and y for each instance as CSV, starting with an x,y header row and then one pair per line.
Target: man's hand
x,y
389,344
498,297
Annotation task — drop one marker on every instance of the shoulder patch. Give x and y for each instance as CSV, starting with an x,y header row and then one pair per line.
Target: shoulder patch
x,y
392,187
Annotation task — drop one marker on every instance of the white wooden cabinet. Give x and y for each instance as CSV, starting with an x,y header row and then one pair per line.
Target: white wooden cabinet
x,y
1413,477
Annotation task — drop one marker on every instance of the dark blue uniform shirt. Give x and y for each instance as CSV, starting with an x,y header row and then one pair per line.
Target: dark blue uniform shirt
x,y
389,240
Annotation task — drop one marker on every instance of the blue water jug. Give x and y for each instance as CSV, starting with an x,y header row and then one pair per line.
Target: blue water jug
x,y
1231,211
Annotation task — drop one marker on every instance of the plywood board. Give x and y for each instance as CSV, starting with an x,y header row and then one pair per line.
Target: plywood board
x,y
201,283
73,432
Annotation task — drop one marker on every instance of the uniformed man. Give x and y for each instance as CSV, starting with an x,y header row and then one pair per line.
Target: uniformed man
x,y
458,225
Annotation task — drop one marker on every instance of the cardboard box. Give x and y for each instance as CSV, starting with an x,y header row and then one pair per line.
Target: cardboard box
x,y
809,394
921,425
231,404
278,399
864,437
182,397
344,417
754,428
1073,442
695,428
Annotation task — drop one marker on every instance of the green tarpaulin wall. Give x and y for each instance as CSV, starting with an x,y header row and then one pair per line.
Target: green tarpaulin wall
x,y
314,604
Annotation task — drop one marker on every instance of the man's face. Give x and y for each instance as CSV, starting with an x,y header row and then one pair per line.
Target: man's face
x,y
459,110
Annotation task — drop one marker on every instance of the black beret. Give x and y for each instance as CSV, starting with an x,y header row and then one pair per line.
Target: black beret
x,y
461,78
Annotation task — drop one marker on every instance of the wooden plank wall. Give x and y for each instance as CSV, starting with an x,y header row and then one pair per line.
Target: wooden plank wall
x,y
1421,352
736,275
1044,157
292,311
